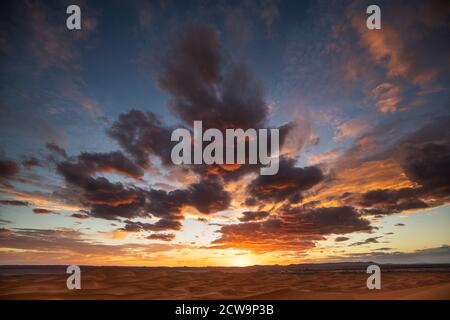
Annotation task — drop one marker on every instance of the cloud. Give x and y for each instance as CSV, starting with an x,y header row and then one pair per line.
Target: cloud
x,y
162,224
87,164
407,174
37,33
14,203
404,46
56,149
308,203
202,86
42,211
3,221
59,200
31,162
350,129
5,232
107,199
59,49
202,90
208,196
59,246
424,156
142,134
114,200
324,157
296,135
434,255
392,201
79,216
288,183
161,236
388,96
292,229
429,165
253,216
269,13
113,162
366,241
8,169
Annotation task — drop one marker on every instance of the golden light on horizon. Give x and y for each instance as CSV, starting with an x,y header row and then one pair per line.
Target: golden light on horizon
x,y
241,261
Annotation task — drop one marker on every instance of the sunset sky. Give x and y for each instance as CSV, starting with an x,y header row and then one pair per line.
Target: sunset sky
x,y
86,117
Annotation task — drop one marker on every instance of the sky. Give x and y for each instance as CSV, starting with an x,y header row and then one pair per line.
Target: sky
x,y
86,117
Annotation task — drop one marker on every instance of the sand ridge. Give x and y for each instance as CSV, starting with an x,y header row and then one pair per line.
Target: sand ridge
x,y
123,283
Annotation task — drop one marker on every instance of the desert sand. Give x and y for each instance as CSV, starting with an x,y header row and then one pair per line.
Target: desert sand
x,y
127,283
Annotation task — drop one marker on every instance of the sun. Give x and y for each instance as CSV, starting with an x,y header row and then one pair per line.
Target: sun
x,y
241,261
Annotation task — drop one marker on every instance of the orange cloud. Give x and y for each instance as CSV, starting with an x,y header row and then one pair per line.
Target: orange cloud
x,y
396,44
388,96
370,175
351,128
323,157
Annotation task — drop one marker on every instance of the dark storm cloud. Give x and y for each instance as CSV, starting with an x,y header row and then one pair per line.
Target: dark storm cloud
x,y
107,199
8,169
108,204
14,203
165,224
110,162
392,201
163,203
253,216
161,236
425,159
142,134
5,232
208,196
366,241
202,87
90,163
429,165
31,162
160,225
56,149
337,220
287,184
250,202
202,90
79,216
113,200
100,190
341,239
292,229
42,211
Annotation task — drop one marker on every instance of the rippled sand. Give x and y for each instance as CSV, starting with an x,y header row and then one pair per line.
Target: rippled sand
x,y
122,283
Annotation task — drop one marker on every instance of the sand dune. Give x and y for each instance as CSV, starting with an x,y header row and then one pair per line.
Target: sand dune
x,y
123,283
